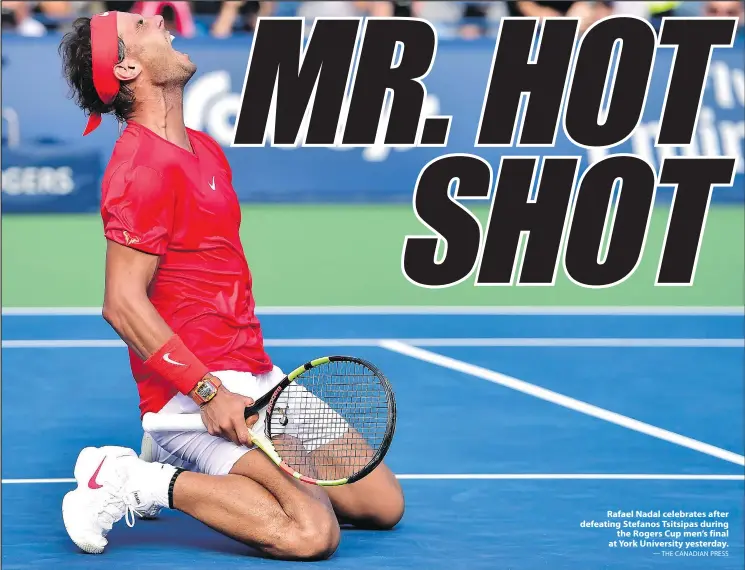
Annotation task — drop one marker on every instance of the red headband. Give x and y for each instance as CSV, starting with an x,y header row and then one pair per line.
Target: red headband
x,y
105,55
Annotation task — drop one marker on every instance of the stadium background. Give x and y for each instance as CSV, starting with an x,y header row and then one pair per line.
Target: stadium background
x,y
486,478
305,205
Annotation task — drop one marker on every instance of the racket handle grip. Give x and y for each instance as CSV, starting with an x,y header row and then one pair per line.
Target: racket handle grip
x,y
172,422
251,411
257,405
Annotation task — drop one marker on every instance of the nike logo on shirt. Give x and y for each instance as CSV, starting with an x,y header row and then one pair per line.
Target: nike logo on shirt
x,y
212,184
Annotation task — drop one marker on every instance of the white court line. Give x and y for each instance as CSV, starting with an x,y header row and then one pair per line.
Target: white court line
x,y
573,477
432,342
498,477
90,343
35,481
561,400
428,310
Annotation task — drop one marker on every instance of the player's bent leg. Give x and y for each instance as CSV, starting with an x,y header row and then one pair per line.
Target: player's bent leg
x,y
260,506
242,494
373,502
256,503
316,532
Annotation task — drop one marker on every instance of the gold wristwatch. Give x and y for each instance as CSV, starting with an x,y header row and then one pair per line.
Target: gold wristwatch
x,y
206,389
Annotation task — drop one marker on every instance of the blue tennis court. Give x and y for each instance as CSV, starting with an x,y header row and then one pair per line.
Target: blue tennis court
x,y
513,430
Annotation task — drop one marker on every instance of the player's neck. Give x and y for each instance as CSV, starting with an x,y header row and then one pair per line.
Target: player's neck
x,y
163,113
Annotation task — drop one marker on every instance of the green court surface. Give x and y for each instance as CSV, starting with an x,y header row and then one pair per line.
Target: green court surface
x,y
351,255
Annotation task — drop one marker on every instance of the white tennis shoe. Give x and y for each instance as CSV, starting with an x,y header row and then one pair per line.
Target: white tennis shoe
x,y
99,500
112,483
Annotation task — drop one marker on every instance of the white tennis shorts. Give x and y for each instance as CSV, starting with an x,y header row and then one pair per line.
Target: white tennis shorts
x,y
204,453
200,451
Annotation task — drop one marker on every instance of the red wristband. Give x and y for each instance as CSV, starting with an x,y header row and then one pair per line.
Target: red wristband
x,y
177,364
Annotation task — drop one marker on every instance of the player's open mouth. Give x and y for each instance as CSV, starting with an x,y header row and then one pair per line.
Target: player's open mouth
x,y
170,37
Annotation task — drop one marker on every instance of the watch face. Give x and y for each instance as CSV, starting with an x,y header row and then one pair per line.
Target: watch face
x,y
206,390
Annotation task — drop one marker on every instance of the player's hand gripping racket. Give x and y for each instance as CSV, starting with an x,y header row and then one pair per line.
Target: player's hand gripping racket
x,y
328,422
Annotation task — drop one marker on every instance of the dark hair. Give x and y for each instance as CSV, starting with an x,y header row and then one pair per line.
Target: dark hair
x,y
77,64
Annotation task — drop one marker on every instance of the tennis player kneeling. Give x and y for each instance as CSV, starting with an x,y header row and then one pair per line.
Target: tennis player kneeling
x,y
179,293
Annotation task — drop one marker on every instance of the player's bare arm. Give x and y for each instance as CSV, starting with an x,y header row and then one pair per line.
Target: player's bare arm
x,y
126,306
128,310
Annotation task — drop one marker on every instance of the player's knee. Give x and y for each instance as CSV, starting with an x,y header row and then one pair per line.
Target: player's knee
x,y
315,538
388,512
393,511
384,512
319,537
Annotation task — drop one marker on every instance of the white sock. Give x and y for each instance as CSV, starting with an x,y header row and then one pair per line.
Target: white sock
x,y
154,479
161,480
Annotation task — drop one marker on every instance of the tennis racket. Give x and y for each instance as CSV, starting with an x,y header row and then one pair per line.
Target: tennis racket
x,y
329,422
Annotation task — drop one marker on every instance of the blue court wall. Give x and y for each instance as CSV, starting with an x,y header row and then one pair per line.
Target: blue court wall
x,y
38,111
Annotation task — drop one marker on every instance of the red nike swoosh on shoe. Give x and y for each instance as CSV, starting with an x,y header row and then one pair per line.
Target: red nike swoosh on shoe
x,y
92,481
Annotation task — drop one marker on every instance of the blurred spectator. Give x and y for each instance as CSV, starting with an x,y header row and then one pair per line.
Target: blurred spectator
x,y
311,10
726,9
658,10
117,6
61,10
400,9
474,20
467,20
377,9
37,18
587,12
230,16
631,8
17,16
176,15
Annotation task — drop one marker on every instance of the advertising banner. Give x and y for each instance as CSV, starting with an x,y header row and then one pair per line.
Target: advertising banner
x,y
456,86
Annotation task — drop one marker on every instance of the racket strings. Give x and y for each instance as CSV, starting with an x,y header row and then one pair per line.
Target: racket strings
x,y
331,421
